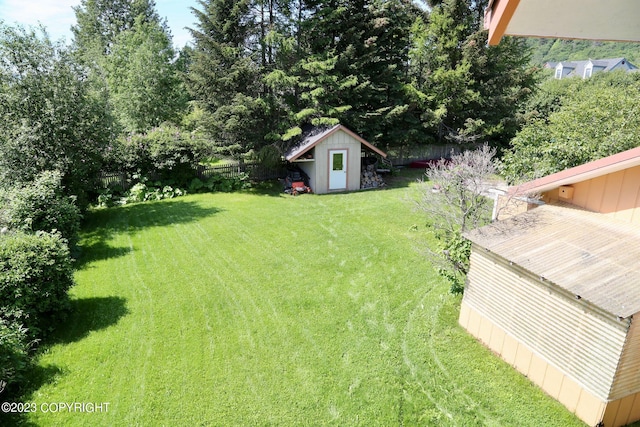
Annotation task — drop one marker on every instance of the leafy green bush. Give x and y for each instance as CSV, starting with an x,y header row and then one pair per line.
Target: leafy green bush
x,y
218,182
592,119
36,273
43,206
144,190
52,116
166,154
13,351
224,184
196,185
137,193
456,250
106,198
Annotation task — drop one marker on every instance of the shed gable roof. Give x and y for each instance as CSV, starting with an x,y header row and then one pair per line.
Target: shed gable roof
x,y
319,135
617,162
586,254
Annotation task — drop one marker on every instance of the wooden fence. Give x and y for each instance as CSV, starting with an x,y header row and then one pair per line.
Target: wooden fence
x,y
259,172
404,155
115,180
255,171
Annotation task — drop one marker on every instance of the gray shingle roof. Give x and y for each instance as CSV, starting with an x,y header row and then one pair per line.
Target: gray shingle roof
x,y
578,67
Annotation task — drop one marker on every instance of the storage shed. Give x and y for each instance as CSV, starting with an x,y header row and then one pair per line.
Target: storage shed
x,y
554,289
554,292
332,158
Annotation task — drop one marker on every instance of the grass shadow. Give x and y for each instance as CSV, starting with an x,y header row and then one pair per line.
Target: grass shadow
x,y
85,315
96,251
139,216
272,188
101,224
37,377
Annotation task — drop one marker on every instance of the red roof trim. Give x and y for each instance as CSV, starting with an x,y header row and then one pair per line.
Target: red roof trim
x,y
583,172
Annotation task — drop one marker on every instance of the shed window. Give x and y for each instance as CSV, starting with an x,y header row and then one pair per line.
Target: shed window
x,y
337,161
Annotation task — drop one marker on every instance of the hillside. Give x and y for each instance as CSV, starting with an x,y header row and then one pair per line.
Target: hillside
x,y
544,50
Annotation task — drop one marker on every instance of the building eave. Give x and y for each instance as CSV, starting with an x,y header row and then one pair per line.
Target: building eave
x,y
568,19
594,169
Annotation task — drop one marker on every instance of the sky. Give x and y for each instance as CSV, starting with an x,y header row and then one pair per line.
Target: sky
x,y
58,16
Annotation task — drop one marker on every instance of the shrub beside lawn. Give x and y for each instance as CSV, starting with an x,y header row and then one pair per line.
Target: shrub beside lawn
x,y
263,309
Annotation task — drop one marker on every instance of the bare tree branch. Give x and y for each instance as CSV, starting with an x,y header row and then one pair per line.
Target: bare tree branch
x,y
455,199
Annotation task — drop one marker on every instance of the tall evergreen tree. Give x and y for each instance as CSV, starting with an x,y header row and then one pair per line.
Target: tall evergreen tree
x,y
355,70
239,46
474,89
222,75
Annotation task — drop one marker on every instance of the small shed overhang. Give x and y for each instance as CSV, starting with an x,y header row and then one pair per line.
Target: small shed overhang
x,y
316,138
587,255
572,19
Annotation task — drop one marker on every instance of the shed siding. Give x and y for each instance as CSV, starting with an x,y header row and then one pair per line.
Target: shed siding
x,y
321,167
337,141
577,399
616,194
565,333
627,378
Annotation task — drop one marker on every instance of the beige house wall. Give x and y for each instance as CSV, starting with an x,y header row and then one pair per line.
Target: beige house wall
x,y
589,408
586,359
573,336
622,411
561,387
616,194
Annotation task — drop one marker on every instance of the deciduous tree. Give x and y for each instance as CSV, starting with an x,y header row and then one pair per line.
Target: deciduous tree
x,y
598,117
127,50
99,22
142,77
51,118
454,202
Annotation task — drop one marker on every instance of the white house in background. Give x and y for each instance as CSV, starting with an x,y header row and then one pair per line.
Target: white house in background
x,y
586,69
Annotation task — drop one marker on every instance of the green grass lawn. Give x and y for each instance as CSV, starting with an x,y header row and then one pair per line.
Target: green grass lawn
x,y
257,308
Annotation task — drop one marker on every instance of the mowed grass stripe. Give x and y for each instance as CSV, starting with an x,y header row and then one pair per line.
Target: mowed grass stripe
x,y
246,309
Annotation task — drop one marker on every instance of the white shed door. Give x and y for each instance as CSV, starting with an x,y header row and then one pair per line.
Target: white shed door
x,y
337,169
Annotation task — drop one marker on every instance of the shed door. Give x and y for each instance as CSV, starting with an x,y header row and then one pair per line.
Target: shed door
x,y
337,169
